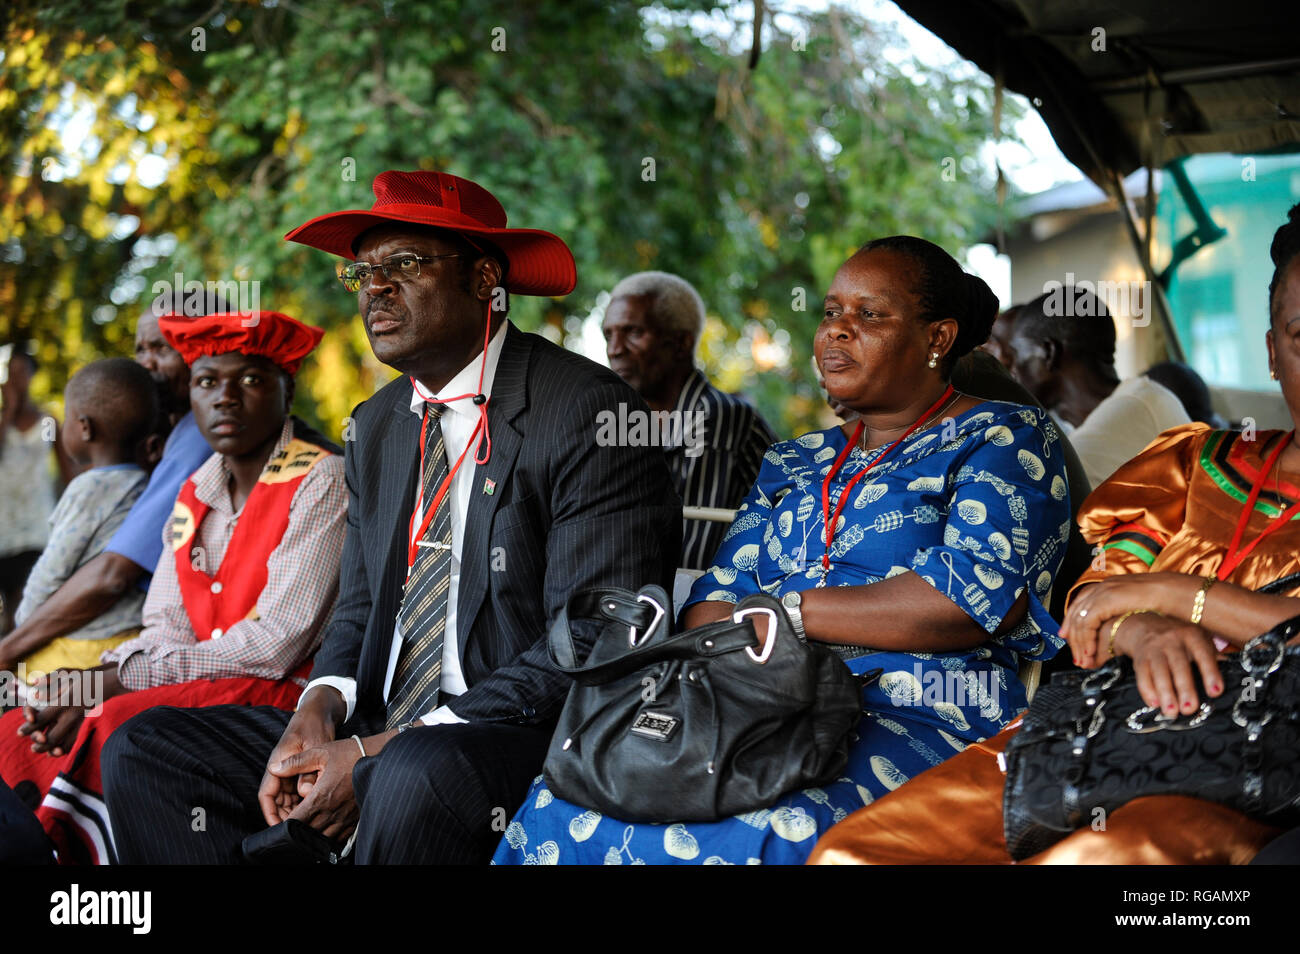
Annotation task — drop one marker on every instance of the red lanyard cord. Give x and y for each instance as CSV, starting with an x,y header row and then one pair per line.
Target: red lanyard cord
x,y
1236,552
415,535
830,520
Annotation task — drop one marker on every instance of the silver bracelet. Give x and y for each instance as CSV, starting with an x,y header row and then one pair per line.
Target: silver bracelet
x,y
360,746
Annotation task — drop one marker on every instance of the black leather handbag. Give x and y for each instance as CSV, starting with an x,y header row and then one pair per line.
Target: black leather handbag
x,y
698,725
1089,742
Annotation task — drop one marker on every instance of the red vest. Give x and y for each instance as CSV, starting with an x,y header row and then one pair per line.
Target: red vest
x,y
218,601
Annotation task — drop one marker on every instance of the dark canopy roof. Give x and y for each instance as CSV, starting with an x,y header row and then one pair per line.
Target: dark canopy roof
x,y
1177,77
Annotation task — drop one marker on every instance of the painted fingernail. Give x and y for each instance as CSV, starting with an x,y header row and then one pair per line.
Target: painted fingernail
x,y
1215,687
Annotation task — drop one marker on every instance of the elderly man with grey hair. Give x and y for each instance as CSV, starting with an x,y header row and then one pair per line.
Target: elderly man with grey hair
x,y
714,441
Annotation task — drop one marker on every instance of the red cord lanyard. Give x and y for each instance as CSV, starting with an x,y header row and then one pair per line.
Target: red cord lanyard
x,y
414,534
1236,552
827,518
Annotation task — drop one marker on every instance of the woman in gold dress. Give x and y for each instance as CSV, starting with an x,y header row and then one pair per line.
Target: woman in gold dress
x,y
1189,533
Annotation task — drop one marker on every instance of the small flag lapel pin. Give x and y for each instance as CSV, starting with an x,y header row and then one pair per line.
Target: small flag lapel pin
x,y
489,486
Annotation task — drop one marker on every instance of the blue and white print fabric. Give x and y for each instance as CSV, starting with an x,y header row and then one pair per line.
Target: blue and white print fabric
x,y
979,509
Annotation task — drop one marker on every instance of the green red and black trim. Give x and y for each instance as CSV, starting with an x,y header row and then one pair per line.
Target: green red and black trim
x,y
1223,458
1141,541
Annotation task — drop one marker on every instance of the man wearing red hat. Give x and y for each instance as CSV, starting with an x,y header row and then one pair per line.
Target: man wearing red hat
x,y
238,600
479,500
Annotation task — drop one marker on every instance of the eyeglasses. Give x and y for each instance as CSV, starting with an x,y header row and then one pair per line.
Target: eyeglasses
x,y
402,267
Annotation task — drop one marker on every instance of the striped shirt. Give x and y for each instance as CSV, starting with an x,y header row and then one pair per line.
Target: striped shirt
x,y
302,581
716,463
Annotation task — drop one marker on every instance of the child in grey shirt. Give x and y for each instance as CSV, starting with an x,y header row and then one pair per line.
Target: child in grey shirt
x,y
111,407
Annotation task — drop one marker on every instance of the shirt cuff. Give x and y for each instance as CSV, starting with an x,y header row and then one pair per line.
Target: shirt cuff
x,y
443,716
346,687
132,669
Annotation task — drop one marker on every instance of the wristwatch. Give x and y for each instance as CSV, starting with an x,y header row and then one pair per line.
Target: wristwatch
x,y
793,605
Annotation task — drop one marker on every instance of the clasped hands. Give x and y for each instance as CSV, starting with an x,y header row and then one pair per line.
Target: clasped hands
x,y
1162,645
50,718
309,774
309,777
58,703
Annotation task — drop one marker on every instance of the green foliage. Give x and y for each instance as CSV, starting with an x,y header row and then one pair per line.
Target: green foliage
x,y
764,181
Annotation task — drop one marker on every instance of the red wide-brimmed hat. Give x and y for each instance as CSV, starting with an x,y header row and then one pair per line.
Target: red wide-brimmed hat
x,y
539,262
270,334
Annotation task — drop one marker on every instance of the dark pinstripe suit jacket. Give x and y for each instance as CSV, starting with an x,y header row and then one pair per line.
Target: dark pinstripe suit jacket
x,y
566,513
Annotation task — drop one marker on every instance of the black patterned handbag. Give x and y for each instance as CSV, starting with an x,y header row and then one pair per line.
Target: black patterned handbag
x,y
697,725
1089,742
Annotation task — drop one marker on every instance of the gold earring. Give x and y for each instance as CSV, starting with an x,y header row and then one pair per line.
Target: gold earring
x,y
1273,374
934,359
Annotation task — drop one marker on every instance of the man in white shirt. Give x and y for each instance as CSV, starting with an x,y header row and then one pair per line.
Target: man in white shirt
x,y
480,500
1068,363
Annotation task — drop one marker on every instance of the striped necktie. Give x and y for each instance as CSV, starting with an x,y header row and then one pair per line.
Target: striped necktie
x,y
423,614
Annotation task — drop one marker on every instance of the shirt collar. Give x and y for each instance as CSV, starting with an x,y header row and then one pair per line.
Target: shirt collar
x,y
465,382
692,388
212,479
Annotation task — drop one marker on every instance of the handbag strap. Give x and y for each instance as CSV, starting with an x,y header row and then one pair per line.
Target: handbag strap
x,y
1282,585
643,613
1088,721
1259,658
607,604
1288,629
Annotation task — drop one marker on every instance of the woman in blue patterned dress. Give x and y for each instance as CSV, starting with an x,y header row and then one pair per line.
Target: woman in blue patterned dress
x,y
950,517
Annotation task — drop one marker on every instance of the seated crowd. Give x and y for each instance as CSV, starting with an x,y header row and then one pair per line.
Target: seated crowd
x,y
276,629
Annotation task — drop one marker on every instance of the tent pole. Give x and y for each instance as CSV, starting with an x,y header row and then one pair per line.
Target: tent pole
x,y
1173,347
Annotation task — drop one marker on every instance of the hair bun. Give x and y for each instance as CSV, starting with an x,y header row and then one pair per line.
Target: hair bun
x,y
981,311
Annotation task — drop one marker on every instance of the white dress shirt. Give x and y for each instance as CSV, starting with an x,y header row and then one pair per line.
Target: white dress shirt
x,y
458,423
1121,426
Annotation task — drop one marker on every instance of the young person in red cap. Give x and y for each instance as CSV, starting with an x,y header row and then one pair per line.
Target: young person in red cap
x,y
479,500
248,575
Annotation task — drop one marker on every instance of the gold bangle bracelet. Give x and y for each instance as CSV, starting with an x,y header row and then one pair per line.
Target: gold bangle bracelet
x,y
1110,647
1198,604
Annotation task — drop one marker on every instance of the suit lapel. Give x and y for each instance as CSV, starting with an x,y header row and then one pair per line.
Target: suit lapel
x,y
399,470
509,398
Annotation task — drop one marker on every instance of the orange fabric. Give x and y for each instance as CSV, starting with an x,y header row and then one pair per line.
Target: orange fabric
x,y
952,814
1164,830
1168,492
1185,493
